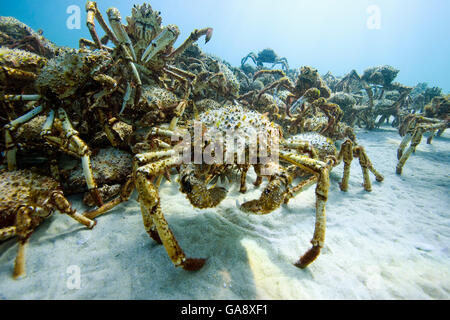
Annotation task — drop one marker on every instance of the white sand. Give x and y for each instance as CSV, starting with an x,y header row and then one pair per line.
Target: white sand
x,y
392,243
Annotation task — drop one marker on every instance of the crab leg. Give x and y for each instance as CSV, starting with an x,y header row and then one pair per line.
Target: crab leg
x,y
297,104
331,110
243,188
25,226
366,165
7,233
92,13
11,147
277,192
152,214
19,264
299,188
135,74
21,97
283,62
178,114
73,145
259,177
346,154
320,169
193,37
283,82
415,138
115,20
403,145
16,74
301,147
182,73
63,206
126,98
149,224
431,136
271,72
112,135
26,223
83,43
91,9
251,55
154,219
125,193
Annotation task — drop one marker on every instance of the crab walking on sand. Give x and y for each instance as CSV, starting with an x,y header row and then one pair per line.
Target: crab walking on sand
x,y
203,136
26,200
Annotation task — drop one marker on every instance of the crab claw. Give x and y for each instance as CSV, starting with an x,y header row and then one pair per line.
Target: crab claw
x,y
198,195
167,37
209,34
252,206
271,198
192,264
308,257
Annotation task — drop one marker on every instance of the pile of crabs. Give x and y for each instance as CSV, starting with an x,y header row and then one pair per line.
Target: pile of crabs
x,y
109,118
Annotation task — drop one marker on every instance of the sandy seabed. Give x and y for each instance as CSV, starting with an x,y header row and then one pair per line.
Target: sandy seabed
x,y
391,243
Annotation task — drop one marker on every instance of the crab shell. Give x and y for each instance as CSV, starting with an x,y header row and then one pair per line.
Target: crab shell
x,y
324,146
143,26
231,85
23,187
68,72
20,59
155,106
310,78
239,122
23,67
110,166
12,29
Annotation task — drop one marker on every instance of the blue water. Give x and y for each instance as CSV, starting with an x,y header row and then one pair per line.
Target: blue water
x,y
330,35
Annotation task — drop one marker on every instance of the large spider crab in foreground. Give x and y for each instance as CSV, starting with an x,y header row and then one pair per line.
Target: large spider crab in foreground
x,y
266,56
312,154
413,126
26,200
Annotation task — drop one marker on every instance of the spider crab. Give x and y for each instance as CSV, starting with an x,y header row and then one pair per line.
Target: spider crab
x,y
59,83
17,35
413,126
309,111
375,82
203,141
308,79
26,200
319,116
144,45
308,88
266,56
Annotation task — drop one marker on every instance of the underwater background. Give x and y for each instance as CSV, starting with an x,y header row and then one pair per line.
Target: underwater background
x,y
390,243
331,35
